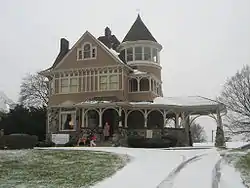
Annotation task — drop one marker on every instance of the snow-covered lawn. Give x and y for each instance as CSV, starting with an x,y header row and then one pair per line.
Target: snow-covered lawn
x,y
47,168
158,168
195,167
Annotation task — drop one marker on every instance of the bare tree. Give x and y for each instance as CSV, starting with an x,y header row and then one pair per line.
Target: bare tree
x,y
34,90
236,96
197,132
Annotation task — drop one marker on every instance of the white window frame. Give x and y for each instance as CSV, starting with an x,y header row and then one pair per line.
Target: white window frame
x,y
81,49
60,120
108,75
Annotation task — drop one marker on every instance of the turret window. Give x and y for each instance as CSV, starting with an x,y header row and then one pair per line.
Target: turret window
x,y
138,53
147,54
129,54
154,55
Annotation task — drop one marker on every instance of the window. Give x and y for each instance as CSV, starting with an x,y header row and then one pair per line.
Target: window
x,y
129,54
73,85
155,58
57,86
147,53
64,85
103,83
113,82
138,53
86,51
68,121
133,85
94,52
79,54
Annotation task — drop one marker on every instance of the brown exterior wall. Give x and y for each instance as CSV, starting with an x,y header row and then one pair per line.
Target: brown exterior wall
x,y
102,59
153,70
145,96
80,97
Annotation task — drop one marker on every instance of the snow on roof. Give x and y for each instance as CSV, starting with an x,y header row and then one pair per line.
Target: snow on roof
x,y
184,101
139,72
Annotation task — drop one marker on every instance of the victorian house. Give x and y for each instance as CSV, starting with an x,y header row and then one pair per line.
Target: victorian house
x,y
102,80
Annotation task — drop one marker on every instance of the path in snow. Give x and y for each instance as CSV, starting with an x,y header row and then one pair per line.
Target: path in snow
x,y
155,168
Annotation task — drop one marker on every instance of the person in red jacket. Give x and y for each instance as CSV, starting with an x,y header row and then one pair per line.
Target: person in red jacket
x,y
92,140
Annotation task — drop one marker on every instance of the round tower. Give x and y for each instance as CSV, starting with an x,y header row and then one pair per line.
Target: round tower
x,y
140,50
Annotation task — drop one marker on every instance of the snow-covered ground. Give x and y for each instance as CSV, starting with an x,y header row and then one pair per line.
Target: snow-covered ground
x,y
158,168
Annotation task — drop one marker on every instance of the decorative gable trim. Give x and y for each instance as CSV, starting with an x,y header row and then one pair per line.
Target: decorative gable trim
x,y
99,43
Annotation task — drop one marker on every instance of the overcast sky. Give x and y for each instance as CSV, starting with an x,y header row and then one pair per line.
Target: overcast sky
x,y
204,41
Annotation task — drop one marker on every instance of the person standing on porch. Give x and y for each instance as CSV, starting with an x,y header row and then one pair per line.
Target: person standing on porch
x,y
106,131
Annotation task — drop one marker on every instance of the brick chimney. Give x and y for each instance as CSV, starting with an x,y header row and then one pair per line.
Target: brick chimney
x,y
64,46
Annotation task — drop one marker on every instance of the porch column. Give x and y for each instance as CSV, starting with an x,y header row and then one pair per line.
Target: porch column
x,y
138,84
83,118
177,123
126,119
100,118
145,118
186,126
120,116
87,120
164,118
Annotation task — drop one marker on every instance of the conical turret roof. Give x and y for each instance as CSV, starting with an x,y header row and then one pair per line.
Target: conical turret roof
x,y
139,31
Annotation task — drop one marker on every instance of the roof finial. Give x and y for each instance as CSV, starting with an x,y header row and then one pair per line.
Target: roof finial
x,y
138,11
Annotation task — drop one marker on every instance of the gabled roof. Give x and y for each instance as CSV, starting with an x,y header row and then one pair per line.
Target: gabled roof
x,y
109,51
139,31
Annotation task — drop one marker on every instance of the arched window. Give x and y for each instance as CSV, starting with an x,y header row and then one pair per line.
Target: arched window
x,y
86,51
144,84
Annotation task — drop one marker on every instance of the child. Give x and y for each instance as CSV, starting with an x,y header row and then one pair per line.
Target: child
x,y
92,140
82,140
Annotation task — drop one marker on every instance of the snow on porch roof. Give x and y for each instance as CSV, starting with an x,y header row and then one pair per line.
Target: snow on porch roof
x,y
185,101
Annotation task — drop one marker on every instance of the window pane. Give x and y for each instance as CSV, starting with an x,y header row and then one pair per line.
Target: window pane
x,y
73,81
79,54
94,52
155,59
103,79
147,53
114,85
138,53
129,54
86,52
64,82
113,78
68,121
86,47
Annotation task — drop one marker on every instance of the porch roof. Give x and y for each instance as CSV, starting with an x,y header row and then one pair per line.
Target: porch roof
x,y
191,103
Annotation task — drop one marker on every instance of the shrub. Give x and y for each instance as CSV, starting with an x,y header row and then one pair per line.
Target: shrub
x,y
141,142
45,144
18,141
219,139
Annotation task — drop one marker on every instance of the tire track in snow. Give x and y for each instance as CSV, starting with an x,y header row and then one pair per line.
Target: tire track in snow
x,y
168,182
216,174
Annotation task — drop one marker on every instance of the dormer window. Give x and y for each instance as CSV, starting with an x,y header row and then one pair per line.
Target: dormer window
x,y
87,51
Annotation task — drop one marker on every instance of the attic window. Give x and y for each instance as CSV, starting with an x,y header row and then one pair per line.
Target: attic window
x,y
87,51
